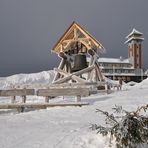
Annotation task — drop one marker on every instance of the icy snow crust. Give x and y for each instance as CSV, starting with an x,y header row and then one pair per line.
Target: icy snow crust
x,y
63,127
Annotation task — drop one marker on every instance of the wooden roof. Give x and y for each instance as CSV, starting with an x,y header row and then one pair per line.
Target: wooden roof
x,y
76,33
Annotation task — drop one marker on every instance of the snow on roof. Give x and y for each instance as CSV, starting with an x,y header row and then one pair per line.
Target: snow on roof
x,y
113,60
134,31
132,38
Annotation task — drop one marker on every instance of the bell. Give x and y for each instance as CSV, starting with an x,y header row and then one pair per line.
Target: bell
x,y
79,62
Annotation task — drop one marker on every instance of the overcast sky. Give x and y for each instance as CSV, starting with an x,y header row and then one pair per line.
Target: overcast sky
x,y
30,28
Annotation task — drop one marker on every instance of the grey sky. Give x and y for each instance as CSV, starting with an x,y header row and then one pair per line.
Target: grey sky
x,y
29,29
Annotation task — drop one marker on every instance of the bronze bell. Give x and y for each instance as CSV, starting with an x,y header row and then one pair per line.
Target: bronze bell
x,y
79,62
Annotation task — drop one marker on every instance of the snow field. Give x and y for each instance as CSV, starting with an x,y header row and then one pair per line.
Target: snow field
x,y
63,127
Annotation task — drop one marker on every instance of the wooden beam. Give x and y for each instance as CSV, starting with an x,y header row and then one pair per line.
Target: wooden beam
x,y
85,44
75,34
16,92
100,76
90,63
75,73
86,84
74,77
89,37
62,72
61,66
72,40
78,79
39,105
53,92
100,91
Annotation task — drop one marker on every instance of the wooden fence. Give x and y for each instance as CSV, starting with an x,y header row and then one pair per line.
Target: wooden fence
x,y
47,93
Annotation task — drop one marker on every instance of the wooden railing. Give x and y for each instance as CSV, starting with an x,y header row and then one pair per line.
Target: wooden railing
x,y
47,93
17,92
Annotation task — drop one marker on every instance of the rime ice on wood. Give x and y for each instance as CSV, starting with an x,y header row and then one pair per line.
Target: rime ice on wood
x,y
75,45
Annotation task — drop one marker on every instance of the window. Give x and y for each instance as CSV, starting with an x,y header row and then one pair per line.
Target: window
x,y
118,71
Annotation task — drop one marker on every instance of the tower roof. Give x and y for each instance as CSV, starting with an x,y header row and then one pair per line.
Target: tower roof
x,y
134,31
76,33
134,35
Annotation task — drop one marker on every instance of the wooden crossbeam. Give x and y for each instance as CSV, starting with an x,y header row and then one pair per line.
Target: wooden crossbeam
x,y
16,92
73,40
78,79
78,84
65,79
63,92
74,77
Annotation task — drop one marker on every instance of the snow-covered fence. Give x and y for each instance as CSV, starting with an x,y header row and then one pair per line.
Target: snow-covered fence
x,y
54,92
47,93
17,92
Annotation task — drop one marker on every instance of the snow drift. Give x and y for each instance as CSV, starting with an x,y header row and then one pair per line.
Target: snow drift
x,y
143,84
20,80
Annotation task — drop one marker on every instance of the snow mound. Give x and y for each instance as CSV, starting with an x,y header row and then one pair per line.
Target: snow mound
x,y
131,83
92,140
44,77
143,84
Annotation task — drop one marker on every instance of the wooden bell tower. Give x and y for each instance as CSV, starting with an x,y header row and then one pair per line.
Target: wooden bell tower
x,y
134,41
75,45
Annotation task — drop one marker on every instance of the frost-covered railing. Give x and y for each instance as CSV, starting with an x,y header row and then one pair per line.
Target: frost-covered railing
x,y
17,92
54,92
47,93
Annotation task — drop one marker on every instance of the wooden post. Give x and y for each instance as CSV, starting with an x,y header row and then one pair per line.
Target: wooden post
x,y
98,72
68,67
23,99
47,99
78,98
106,88
95,76
61,65
20,109
13,99
90,63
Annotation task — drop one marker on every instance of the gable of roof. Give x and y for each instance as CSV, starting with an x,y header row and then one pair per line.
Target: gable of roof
x,y
76,33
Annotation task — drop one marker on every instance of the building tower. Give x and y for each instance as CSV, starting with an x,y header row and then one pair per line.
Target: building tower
x,y
134,41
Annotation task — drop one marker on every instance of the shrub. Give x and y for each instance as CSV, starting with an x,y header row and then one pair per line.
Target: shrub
x,y
130,129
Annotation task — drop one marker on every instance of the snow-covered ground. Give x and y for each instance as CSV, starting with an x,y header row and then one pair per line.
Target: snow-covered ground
x,y
62,127
23,80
